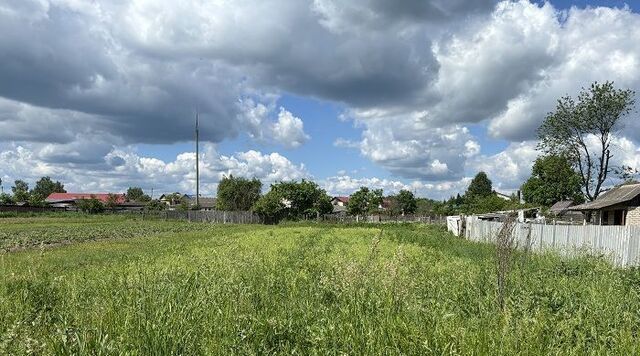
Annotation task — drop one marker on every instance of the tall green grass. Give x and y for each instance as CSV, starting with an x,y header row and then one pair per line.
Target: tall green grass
x,y
317,290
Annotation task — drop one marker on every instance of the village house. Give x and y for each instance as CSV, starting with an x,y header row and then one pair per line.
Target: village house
x,y
69,200
340,201
562,211
175,199
206,203
618,206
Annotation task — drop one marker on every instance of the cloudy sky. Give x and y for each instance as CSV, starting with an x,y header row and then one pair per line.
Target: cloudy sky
x,y
418,94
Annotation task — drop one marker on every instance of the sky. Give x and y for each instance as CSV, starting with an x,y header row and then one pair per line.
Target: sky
x,y
413,94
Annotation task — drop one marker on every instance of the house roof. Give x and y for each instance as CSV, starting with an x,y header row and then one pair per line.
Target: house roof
x,y
561,206
617,195
341,199
204,202
103,197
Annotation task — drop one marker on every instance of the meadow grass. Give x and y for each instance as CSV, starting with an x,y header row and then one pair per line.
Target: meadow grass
x,y
308,289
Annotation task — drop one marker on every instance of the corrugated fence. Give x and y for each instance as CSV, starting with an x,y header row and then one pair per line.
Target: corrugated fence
x,y
621,244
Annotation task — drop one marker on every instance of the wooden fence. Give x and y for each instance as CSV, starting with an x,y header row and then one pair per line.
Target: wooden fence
x,y
348,219
214,216
245,217
620,244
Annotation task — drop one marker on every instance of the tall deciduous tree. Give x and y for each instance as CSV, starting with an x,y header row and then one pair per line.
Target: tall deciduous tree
x,y
552,180
479,187
237,193
112,201
20,191
406,202
293,200
45,186
137,194
581,130
6,199
364,201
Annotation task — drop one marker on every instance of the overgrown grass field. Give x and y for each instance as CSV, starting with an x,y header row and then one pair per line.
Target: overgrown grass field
x,y
192,289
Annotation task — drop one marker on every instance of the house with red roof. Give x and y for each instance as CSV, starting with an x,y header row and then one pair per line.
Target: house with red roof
x,y
340,201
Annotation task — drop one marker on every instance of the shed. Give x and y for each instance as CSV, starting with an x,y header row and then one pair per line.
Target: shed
x,y
617,206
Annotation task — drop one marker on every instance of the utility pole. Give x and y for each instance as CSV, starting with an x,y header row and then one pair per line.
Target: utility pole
x,y
197,163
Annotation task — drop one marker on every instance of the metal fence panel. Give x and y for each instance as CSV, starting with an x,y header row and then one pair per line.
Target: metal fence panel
x,y
620,244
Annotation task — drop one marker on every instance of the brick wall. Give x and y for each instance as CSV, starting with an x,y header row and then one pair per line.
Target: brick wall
x,y
633,216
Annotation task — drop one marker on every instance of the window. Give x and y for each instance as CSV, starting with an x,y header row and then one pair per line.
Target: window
x,y
618,217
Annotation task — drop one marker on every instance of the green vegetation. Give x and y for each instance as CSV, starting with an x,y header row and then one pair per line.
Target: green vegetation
x,y
32,232
293,201
137,194
20,190
480,187
44,187
90,206
238,193
295,289
597,112
552,180
365,201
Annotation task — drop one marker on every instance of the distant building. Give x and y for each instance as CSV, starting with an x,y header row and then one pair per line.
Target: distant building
x,y
340,205
561,207
340,201
175,199
618,206
205,202
69,200
503,196
561,211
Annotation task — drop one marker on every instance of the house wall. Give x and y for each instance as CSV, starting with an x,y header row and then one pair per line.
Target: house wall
x,y
633,216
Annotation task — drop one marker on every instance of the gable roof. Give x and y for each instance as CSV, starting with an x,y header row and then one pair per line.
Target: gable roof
x,y
617,195
204,202
561,206
341,199
103,197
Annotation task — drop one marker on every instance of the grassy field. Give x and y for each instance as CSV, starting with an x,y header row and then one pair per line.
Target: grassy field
x,y
199,289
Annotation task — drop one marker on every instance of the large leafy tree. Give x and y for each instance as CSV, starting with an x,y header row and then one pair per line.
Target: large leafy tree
x,y
293,200
364,201
237,193
552,180
90,206
6,199
137,194
155,205
581,130
20,191
480,187
406,202
270,207
45,186
485,204
112,201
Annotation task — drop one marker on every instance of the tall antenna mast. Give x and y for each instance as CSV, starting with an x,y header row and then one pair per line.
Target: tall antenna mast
x,y
197,163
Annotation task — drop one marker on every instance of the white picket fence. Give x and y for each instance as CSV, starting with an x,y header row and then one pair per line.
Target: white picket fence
x,y
621,244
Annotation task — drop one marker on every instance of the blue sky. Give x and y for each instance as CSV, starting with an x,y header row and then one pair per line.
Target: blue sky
x,y
414,95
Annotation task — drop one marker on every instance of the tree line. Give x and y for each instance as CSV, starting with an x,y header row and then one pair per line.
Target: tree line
x,y
44,187
575,145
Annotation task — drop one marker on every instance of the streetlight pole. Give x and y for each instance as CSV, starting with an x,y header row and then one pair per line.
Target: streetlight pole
x,y
197,164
